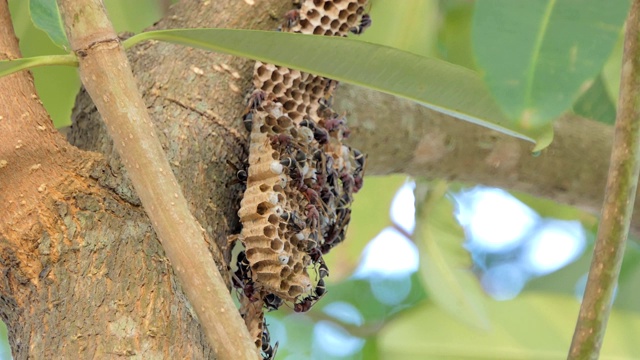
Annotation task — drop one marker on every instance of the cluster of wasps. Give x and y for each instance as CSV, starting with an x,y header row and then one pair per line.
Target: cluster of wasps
x,y
319,176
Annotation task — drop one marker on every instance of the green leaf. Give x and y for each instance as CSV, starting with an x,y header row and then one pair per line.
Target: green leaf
x,y
362,295
369,216
565,280
46,17
612,69
537,55
532,326
596,104
442,86
10,66
134,16
551,209
454,37
409,25
445,265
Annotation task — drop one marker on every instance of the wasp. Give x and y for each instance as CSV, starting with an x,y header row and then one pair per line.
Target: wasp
x,y
319,134
272,302
282,140
253,103
312,215
334,123
244,268
347,182
364,24
323,269
360,159
246,285
292,219
241,174
311,242
291,19
305,304
269,352
320,288
289,162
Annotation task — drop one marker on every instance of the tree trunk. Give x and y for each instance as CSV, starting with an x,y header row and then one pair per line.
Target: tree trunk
x,y
85,274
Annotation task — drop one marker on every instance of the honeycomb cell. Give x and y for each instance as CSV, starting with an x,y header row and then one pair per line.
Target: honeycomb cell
x,y
317,188
276,76
277,245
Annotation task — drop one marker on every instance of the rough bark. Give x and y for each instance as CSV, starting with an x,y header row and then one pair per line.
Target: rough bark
x,y
85,274
402,137
105,74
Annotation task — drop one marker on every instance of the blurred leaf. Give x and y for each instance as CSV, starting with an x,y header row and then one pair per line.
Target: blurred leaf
x,y
596,104
408,25
455,33
532,326
299,336
613,69
46,17
370,349
551,209
445,87
629,281
369,215
359,294
5,348
134,16
10,66
565,280
56,85
445,265
537,55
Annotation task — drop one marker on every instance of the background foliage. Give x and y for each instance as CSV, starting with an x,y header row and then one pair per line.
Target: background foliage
x,y
441,311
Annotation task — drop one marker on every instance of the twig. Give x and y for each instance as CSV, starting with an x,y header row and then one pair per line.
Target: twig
x,y
618,204
105,73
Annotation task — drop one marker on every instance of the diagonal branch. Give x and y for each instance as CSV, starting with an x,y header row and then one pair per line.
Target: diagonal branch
x,y
618,204
105,73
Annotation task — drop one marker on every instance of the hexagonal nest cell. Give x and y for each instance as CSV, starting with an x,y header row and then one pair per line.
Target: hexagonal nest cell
x,y
301,176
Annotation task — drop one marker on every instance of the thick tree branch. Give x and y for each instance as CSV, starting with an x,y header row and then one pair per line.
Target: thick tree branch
x,y
401,136
618,204
105,73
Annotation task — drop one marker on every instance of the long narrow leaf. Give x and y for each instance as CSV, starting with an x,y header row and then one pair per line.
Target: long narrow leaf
x,y
445,265
10,66
442,86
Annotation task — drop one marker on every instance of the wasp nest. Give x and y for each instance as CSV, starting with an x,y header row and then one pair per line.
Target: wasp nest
x,y
301,177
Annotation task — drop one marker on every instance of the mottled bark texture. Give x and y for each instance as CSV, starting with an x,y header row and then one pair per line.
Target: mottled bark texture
x,y
85,276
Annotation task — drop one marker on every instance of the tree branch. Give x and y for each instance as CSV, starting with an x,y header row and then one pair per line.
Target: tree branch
x,y
618,204
403,137
105,73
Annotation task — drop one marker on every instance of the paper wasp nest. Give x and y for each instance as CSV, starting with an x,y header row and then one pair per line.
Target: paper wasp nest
x,y
301,176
